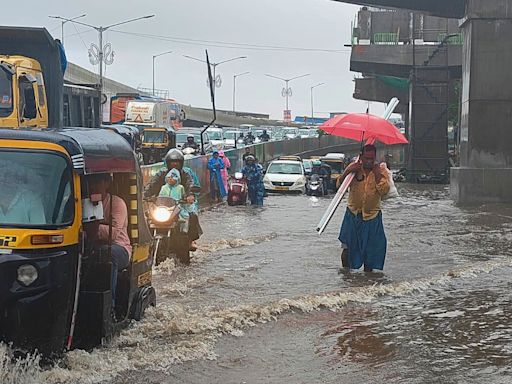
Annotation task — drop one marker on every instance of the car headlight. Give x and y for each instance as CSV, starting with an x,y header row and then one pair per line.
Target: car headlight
x,y
301,181
161,214
27,274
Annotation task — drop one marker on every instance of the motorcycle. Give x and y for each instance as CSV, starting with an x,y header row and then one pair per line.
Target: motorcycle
x,y
399,175
237,190
190,152
168,230
315,186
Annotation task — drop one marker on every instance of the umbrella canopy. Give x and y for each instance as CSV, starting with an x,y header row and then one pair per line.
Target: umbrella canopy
x,y
363,126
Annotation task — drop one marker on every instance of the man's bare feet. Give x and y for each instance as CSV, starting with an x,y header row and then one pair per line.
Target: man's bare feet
x,y
193,246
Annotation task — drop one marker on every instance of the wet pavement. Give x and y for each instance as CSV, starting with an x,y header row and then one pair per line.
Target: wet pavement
x,y
264,301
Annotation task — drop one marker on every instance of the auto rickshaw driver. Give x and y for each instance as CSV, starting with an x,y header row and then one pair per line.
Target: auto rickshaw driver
x,y
114,223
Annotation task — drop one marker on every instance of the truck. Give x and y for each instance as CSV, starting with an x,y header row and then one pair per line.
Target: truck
x,y
154,119
32,88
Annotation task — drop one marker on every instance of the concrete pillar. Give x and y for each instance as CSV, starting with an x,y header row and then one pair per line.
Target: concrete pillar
x,y
485,174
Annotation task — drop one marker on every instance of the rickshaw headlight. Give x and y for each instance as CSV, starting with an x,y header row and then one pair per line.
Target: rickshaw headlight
x,y
161,214
27,274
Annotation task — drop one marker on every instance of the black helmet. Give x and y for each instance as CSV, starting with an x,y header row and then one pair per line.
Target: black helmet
x,y
174,154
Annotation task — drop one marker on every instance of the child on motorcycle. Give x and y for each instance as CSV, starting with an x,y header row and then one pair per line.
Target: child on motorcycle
x,y
176,191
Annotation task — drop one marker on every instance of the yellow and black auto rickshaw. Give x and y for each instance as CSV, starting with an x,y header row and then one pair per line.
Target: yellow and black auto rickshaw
x,y
156,142
55,284
337,163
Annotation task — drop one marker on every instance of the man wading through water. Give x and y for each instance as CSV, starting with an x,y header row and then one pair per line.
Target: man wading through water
x,y
362,233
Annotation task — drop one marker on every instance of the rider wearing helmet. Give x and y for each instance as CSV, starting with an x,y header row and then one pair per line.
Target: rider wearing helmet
x,y
253,172
191,143
174,159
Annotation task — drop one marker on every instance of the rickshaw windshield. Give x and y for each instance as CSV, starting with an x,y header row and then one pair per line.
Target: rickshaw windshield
x,y
154,137
36,189
336,165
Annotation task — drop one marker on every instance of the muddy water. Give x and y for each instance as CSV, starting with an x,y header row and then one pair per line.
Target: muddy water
x,y
264,301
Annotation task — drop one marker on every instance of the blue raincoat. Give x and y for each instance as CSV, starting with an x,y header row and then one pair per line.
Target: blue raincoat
x,y
193,208
254,175
215,165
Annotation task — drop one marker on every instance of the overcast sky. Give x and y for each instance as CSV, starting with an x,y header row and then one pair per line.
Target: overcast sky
x,y
185,26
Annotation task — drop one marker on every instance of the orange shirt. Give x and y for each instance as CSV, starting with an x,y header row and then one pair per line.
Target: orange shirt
x,y
365,195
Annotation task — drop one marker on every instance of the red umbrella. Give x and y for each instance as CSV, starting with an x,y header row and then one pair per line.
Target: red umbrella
x,y
363,126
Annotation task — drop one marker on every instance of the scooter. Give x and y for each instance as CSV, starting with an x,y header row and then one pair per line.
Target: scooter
x,y
315,186
166,225
237,189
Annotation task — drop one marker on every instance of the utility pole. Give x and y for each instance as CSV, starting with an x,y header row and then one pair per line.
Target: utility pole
x,y
154,57
234,87
217,82
312,110
64,22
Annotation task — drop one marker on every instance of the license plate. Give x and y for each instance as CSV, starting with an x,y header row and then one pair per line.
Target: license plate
x,y
280,188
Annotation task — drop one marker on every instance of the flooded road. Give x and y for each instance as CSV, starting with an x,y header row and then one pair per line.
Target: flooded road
x,y
264,301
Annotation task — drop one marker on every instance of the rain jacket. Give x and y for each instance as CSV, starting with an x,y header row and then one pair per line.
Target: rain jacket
x,y
224,171
216,165
254,175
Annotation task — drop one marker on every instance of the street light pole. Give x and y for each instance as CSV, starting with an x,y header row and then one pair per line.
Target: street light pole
x,y
154,57
287,90
64,22
312,110
100,30
234,87
214,66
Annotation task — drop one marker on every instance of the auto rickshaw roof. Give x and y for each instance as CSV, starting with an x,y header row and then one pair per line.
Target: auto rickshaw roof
x,y
92,150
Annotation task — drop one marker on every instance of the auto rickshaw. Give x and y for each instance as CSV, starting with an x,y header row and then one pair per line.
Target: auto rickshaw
x,y
337,163
55,284
156,142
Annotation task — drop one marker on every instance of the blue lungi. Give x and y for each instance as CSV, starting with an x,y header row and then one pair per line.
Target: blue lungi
x,y
365,240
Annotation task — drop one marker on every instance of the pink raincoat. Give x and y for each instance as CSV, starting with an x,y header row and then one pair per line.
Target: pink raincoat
x,y
224,172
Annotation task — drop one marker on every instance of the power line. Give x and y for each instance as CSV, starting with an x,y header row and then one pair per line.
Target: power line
x,y
80,35
233,45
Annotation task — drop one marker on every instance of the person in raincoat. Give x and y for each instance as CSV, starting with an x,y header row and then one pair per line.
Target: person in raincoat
x,y
216,165
224,171
176,191
253,172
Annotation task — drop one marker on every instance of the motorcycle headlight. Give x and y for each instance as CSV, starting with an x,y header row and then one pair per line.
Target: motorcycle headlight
x,y
27,274
161,214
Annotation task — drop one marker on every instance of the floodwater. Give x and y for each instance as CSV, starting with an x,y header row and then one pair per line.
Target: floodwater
x,y
264,301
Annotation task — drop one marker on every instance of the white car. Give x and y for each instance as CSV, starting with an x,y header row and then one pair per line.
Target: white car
x,y
285,176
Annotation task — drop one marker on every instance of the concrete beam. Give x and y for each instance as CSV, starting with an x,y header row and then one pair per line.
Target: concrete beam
x,y
397,60
443,8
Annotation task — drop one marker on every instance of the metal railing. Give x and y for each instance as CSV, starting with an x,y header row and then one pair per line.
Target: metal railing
x,y
386,38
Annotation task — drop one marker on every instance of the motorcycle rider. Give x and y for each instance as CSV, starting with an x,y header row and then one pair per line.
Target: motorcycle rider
x,y
253,172
191,143
264,136
174,159
324,171
249,139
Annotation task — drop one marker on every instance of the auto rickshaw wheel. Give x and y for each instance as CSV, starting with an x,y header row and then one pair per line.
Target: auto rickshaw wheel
x,y
144,298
